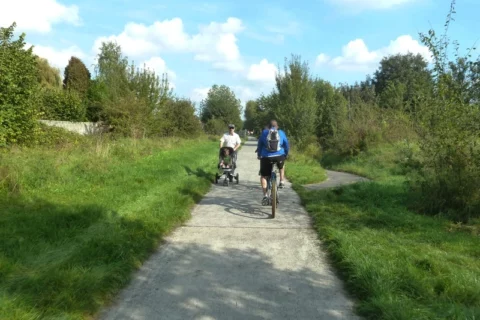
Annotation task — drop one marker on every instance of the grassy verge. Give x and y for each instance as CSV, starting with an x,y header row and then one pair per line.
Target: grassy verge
x,y
77,220
304,168
398,264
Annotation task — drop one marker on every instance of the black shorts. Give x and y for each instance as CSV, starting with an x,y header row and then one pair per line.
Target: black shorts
x,y
266,164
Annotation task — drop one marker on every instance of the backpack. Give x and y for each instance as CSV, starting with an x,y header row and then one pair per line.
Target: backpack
x,y
273,140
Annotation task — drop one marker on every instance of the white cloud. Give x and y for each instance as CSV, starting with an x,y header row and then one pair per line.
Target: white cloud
x,y
215,43
357,57
198,94
359,5
59,57
262,72
37,15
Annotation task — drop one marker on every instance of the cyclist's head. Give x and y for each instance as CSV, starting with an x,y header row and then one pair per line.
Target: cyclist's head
x,y
273,124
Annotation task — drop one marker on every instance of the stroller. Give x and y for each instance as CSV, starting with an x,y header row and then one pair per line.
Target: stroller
x,y
226,166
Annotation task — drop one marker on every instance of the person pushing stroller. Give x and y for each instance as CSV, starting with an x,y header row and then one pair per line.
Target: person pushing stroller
x,y
231,140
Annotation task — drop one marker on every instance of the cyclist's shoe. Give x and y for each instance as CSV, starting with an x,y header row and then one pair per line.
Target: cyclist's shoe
x,y
265,201
281,185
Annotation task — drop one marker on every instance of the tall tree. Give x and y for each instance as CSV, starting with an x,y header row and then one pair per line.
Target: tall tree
x,y
251,112
48,76
18,88
221,104
332,110
296,108
76,77
408,70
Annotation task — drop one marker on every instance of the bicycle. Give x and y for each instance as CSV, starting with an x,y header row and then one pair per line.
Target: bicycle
x,y
272,189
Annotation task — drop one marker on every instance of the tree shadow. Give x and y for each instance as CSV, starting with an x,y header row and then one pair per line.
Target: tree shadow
x,y
200,173
64,260
188,280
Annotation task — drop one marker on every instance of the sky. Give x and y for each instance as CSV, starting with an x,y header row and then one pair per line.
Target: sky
x,y
242,44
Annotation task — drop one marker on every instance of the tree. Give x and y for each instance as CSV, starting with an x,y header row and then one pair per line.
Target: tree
x,y
177,118
221,104
148,86
48,76
251,113
76,77
296,105
332,111
112,70
18,89
408,70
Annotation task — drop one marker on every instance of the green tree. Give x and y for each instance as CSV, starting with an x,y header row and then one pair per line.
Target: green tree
x,y
221,104
147,85
295,105
251,114
48,76
76,77
18,89
63,105
112,70
408,70
448,169
331,113
177,118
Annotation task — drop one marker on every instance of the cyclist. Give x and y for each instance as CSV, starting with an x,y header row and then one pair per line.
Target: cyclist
x,y
272,146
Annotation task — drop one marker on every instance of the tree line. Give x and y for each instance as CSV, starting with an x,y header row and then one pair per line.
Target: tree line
x,y
132,100
434,109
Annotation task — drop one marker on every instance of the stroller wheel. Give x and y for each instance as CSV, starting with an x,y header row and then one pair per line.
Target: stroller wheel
x,y
230,178
216,178
237,178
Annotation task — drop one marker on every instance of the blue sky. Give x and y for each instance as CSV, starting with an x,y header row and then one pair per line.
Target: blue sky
x,y
238,43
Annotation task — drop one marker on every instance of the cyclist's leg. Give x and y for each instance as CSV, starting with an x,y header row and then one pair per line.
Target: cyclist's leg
x,y
280,164
265,169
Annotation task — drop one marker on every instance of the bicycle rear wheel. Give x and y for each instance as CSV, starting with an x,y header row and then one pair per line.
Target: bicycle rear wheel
x,y
274,197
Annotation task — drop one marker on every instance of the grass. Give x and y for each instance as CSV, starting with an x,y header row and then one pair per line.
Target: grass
x,y
77,220
398,264
304,168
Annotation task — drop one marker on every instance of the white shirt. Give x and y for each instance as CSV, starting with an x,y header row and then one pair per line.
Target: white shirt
x,y
229,140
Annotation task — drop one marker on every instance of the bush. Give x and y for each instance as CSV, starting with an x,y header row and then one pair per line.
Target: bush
x,y
62,105
448,177
215,126
18,89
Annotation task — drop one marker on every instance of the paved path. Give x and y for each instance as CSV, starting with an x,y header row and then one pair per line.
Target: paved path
x,y
335,179
231,261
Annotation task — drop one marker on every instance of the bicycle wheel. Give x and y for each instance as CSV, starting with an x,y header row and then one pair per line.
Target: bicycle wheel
x,y
274,197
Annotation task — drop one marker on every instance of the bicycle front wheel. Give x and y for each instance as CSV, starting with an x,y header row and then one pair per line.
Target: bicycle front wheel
x,y
274,197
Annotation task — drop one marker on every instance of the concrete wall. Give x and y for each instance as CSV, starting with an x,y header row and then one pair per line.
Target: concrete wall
x,y
83,128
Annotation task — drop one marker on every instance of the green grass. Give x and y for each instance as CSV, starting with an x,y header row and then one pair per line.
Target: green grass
x,y
76,221
398,264
301,168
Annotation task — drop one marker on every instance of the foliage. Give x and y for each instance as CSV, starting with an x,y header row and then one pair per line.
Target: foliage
x,y
148,86
176,119
62,105
18,89
48,76
96,97
296,108
331,112
222,105
401,80
76,77
448,174
251,113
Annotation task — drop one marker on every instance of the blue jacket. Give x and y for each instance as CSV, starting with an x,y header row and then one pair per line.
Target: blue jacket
x,y
262,142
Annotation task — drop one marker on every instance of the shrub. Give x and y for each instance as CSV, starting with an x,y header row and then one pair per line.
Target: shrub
x,y
18,89
63,105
